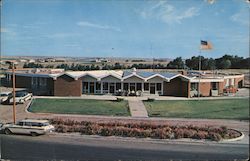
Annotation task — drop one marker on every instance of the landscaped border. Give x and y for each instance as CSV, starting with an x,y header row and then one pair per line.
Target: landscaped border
x,y
146,130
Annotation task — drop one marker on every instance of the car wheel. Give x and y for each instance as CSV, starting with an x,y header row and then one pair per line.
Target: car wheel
x,y
33,134
7,131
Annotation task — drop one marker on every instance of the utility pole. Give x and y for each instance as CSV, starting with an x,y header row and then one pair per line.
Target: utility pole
x,y
14,92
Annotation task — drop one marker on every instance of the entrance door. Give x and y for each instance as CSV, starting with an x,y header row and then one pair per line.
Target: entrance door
x,y
92,87
152,88
112,88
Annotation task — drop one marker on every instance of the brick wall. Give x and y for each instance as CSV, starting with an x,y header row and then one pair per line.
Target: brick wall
x,y
205,88
22,82
67,86
176,87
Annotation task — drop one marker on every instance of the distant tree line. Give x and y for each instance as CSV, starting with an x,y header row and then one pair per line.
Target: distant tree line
x,y
224,62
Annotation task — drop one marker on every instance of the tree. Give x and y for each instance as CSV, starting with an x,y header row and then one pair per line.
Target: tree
x,y
177,63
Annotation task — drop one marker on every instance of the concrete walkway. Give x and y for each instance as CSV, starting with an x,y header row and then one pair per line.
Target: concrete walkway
x,y
137,108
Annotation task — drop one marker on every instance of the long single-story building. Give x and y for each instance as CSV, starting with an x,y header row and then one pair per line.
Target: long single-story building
x,y
57,82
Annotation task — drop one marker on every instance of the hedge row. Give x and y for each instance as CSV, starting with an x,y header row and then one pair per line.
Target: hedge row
x,y
144,130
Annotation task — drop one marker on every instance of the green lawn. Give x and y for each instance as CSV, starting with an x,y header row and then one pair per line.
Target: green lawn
x,y
212,109
80,106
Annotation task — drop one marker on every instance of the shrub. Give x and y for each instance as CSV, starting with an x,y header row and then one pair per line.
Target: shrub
x,y
143,129
118,99
214,136
201,135
150,99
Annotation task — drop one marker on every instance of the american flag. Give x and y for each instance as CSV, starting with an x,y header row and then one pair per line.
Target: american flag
x,y
205,45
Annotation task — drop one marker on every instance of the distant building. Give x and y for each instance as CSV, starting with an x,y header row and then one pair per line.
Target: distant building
x,y
100,60
31,61
57,82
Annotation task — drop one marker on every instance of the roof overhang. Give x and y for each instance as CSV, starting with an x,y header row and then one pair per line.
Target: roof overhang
x,y
131,75
107,75
156,75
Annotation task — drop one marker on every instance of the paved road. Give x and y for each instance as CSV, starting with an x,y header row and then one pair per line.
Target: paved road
x,y
91,148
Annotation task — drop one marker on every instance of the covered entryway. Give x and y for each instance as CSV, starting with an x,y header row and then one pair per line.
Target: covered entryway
x,y
152,88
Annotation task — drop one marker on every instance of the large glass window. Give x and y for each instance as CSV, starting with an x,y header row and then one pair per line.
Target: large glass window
x,y
125,86
158,86
146,86
214,85
194,87
34,81
43,81
85,87
98,86
138,86
132,86
118,86
105,86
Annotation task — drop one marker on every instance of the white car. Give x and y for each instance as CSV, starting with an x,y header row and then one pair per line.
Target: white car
x,y
4,96
29,126
21,97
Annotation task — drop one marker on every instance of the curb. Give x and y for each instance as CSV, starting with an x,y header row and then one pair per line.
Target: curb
x,y
234,139
28,105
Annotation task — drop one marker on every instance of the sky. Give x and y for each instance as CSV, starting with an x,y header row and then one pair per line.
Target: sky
x,y
124,28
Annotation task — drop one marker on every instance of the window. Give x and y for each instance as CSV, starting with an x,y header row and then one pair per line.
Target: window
x,y
34,81
85,86
105,86
214,85
98,86
118,86
138,86
20,123
132,87
43,81
146,86
125,86
158,86
28,123
194,87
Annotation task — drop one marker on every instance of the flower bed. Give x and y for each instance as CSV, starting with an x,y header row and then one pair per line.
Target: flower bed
x,y
144,130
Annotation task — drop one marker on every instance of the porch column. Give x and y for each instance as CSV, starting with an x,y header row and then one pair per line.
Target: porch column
x,y
161,88
142,86
122,86
108,87
101,88
88,87
188,90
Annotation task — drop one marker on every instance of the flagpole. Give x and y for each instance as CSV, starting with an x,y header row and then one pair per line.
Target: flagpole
x,y
199,88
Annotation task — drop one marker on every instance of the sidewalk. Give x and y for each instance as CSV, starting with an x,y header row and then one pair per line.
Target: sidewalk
x,y
137,108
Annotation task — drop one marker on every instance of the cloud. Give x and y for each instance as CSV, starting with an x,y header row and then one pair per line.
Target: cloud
x,y
167,13
241,17
61,35
93,25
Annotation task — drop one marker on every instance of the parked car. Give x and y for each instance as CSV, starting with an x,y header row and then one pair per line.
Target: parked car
x,y
29,126
4,96
21,97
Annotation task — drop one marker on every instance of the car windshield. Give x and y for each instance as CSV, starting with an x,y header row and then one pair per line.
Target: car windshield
x,y
21,93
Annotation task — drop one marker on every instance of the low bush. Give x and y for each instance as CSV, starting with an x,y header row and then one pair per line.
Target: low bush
x,y
144,130
150,99
118,99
